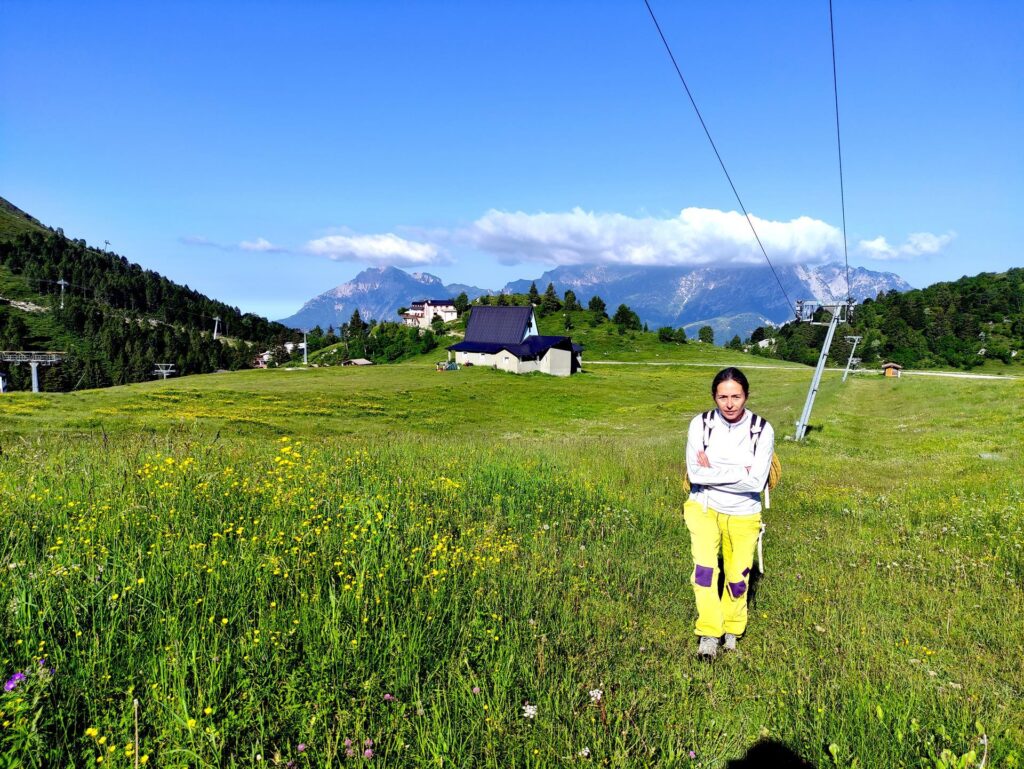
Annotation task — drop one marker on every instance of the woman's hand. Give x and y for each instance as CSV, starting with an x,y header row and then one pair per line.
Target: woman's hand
x,y
702,459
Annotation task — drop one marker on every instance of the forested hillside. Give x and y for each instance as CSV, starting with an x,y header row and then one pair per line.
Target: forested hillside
x,y
114,319
960,324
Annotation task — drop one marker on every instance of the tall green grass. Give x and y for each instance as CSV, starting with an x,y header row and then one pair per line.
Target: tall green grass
x,y
421,556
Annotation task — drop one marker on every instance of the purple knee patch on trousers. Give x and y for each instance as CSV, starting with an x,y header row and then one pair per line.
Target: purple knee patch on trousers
x,y
702,575
737,588
746,572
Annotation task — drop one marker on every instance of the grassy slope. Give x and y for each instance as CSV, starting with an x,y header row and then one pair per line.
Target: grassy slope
x,y
45,333
604,342
891,612
14,221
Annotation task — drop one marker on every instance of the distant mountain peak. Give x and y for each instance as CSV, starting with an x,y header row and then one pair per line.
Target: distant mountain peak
x,y
426,277
377,292
732,300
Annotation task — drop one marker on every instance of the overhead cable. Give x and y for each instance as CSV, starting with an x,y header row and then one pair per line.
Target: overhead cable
x,y
839,147
718,155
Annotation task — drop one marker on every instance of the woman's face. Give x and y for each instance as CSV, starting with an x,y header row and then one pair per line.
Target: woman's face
x,y
730,399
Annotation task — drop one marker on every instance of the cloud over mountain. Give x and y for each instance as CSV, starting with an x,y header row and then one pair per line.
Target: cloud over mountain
x,y
383,250
698,236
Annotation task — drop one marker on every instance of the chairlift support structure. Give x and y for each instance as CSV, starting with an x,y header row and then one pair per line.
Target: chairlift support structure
x,y
805,311
164,370
852,361
35,359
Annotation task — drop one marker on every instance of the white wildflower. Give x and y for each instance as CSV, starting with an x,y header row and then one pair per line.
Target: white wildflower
x,y
585,753
595,695
529,711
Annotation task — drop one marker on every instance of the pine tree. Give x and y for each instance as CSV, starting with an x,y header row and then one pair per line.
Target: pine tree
x,y
626,319
550,302
533,294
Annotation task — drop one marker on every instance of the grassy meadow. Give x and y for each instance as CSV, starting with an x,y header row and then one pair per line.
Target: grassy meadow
x,y
394,566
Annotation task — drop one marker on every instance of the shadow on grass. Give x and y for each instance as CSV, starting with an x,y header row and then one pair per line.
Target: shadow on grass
x,y
769,754
752,582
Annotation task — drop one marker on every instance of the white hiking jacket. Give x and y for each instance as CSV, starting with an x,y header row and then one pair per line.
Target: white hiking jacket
x,y
726,486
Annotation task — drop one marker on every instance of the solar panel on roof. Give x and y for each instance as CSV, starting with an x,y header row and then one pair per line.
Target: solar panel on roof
x,y
498,325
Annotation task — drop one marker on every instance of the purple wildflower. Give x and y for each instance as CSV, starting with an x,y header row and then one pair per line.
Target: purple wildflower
x,y
692,754
301,747
476,690
13,681
368,742
388,698
350,752
348,743
368,753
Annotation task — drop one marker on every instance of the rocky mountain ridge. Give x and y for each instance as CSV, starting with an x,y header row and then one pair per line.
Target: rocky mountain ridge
x,y
732,300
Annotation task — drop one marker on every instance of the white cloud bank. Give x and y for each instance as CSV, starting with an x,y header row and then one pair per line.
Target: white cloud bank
x,y
698,236
918,244
384,250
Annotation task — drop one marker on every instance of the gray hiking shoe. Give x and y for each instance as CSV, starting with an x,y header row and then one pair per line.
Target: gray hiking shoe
x,y
708,647
730,642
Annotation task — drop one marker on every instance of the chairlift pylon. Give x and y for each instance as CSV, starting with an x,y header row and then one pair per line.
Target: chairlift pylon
x,y
841,312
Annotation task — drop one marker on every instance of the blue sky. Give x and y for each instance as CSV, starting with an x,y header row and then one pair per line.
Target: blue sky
x,y
265,152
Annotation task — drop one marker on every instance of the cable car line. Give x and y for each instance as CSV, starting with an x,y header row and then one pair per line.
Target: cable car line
x,y
839,147
718,155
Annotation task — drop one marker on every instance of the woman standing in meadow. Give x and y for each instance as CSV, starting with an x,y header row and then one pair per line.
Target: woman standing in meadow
x,y
728,459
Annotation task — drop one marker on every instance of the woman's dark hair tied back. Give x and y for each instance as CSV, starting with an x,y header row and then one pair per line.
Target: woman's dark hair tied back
x,y
731,374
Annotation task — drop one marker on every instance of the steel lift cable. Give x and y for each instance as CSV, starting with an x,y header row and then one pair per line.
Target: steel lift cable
x,y
718,155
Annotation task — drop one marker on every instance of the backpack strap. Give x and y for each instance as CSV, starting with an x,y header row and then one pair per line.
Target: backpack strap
x,y
756,426
709,424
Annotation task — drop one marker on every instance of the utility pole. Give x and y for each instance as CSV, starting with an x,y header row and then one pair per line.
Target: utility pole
x,y
216,324
305,350
849,363
62,283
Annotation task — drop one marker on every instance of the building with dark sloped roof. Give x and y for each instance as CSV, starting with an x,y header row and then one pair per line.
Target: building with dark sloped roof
x,y
506,338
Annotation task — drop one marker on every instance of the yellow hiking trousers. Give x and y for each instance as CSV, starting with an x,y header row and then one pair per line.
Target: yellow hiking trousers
x,y
737,537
